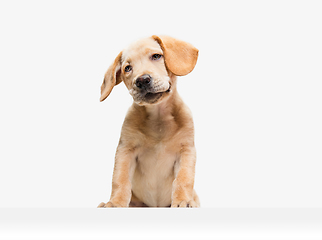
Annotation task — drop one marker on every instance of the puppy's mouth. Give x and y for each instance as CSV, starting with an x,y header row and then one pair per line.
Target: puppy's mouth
x,y
153,97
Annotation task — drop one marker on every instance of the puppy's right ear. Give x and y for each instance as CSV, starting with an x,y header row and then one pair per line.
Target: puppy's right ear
x,y
112,77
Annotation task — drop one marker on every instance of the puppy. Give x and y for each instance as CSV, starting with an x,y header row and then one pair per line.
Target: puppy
x,y
155,158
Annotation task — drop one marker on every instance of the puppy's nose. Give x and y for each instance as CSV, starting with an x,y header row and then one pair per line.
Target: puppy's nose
x,y
143,81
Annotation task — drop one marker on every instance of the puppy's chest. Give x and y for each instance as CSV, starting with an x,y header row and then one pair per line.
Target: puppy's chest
x,y
160,131
156,159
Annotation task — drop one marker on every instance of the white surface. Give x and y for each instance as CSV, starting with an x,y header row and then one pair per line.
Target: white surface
x,y
255,95
250,224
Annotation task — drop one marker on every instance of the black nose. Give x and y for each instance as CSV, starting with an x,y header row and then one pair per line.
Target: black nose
x,y
143,81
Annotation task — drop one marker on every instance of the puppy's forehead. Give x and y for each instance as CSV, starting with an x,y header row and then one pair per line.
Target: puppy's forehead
x,y
141,48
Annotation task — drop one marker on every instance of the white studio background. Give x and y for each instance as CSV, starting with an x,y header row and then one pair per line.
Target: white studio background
x,y
255,95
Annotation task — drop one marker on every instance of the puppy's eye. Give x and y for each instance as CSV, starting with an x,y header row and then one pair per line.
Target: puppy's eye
x,y
128,68
156,56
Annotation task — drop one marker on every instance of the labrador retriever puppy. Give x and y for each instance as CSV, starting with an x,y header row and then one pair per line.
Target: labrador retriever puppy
x,y
155,158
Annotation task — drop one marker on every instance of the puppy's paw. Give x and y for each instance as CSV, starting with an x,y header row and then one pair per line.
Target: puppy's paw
x,y
105,205
109,205
184,204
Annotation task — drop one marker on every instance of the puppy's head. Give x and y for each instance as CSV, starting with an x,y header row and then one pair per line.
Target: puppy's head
x,y
146,67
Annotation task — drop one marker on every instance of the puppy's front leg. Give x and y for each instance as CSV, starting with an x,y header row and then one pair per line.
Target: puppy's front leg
x,y
123,172
184,170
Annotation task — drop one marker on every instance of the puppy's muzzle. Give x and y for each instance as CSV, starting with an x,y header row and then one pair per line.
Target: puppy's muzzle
x,y
148,89
144,82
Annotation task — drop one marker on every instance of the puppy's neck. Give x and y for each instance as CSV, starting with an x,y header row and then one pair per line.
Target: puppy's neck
x,y
160,110
165,110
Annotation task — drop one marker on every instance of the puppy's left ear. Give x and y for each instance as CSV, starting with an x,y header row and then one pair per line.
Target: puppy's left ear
x,y
112,77
180,57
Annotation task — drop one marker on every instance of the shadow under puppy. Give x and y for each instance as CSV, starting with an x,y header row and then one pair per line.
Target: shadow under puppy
x,y
155,159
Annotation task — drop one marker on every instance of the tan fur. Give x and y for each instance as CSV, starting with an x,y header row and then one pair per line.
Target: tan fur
x,y
111,78
155,159
181,57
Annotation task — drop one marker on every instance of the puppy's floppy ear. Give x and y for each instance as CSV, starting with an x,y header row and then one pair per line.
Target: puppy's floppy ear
x,y
112,77
180,57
